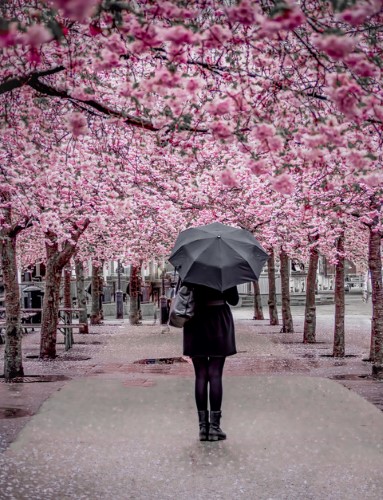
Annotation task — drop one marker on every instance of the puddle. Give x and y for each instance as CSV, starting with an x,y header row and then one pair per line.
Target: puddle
x,y
160,361
10,412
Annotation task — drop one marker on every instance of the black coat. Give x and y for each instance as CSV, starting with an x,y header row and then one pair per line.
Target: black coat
x,y
211,330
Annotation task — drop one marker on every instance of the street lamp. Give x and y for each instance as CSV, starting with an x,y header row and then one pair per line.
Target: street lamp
x,y
119,294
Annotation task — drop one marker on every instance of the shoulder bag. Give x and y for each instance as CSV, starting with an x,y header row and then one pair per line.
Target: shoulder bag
x,y
182,306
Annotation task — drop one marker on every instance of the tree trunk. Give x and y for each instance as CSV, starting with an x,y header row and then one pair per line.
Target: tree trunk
x,y
375,266
13,365
339,347
56,261
51,302
96,312
273,312
287,319
310,310
258,311
134,317
81,297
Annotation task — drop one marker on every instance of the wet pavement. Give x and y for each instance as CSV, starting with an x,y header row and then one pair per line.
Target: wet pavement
x,y
124,425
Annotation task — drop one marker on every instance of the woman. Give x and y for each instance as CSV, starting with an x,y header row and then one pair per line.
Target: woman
x,y
208,338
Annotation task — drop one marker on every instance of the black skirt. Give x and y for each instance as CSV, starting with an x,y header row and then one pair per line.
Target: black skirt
x,y
211,331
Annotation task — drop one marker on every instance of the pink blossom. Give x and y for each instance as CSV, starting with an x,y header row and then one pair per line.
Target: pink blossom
x,y
227,178
283,183
193,84
76,9
373,180
275,143
80,93
36,35
337,47
179,35
258,167
357,14
290,18
216,36
9,36
115,44
365,69
221,130
244,13
263,131
219,108
77,124
109,60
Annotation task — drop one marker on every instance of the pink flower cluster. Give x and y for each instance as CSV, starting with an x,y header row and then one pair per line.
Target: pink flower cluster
x,y
179,35
258,167
345,93
216,36
244,13
337,47
77,124
37,35
361,66
291,17
357,14
227,178
221,131
220,107
283,183
76,9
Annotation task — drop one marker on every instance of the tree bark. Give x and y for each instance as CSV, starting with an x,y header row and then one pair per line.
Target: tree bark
x,y
375,266
81,297
13,365
56,261
51,302
96,315
273,311
339,344
134,317
310,309
287,319
258,311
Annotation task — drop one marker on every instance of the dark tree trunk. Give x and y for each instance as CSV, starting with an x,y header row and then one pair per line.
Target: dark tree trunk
x,y
273,312
81,297
56,261
13,366
375,266
134,317
51,302
339,345
96,316
258,311
287,319
310,309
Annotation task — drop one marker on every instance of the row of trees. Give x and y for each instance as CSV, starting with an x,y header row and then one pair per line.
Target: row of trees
x,y
123,122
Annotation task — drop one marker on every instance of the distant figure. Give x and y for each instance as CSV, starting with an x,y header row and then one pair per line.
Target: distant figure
x,y
208,338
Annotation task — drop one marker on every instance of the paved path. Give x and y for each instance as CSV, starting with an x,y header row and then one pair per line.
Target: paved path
x,y
128,431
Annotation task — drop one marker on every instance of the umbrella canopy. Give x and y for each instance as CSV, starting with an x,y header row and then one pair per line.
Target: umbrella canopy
x,y
217,256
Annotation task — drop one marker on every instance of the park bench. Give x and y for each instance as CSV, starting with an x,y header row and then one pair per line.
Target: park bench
x,y
65,325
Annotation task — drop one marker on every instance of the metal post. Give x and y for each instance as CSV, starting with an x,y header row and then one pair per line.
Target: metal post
x,y
163,301
119,294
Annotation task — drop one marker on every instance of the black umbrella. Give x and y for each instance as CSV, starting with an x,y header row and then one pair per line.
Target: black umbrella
x,y
217,256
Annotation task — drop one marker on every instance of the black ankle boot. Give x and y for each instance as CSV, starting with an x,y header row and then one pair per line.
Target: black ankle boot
x,y
203,417
215,432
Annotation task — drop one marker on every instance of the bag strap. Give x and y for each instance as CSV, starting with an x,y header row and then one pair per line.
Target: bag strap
x,y
179,283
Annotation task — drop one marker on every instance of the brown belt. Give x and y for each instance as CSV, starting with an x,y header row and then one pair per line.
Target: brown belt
x,y
216,303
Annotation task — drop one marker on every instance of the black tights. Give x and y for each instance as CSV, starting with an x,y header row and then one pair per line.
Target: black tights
x,y
208,370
